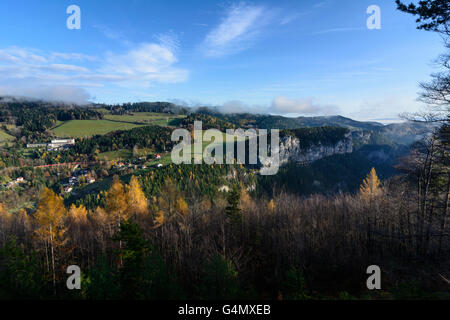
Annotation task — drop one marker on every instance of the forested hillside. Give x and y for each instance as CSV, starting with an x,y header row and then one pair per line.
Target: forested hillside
x,y
141,227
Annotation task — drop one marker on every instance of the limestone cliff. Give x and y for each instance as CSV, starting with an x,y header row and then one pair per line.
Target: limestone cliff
x,y
293,150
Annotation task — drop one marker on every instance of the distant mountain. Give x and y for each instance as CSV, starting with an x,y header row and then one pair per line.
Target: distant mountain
x,y
266,121
364,132
406,132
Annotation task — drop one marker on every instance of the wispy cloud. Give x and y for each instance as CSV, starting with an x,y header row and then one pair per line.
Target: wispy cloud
x,y
333,30
113,34
73,56
169,40
321,4
239,27
289,18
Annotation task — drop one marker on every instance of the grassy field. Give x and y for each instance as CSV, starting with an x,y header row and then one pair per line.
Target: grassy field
x,y
121,154
124,154
4,137
167,158
87,128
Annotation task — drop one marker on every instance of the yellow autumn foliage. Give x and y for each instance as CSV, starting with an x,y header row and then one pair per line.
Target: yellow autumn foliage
x,y
116,202
50,217
135,198
371,186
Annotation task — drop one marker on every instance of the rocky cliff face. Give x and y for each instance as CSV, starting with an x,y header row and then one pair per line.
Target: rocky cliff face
x,y
291,149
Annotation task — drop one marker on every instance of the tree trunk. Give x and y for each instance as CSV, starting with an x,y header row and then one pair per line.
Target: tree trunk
x,y
52,251
444,215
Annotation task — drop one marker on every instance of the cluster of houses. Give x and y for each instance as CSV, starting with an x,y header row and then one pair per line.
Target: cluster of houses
x,y
75,179
14,183
54,145
140,163
123,166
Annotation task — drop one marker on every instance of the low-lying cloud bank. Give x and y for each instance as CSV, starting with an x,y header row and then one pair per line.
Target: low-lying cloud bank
x,y
279,106
63,94
284,105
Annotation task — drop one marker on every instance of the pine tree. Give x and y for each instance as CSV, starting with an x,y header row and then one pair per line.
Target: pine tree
x,y
133,253
220,280
21,276
371,185
233,211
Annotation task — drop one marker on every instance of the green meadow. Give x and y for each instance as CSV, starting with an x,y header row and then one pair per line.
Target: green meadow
x,y
87,128
121,154
166,158
4,137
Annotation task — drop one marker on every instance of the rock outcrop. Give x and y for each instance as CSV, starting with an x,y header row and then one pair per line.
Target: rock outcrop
x,y
291,149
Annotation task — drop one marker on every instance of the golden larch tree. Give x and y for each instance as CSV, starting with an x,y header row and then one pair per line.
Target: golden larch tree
x,y
76,223
371,185
136,200
78,215
116,201
49,219
167,201
271,206
5,222
171,205
245,202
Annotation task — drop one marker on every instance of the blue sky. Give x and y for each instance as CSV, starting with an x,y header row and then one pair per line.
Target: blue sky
x,y
308,57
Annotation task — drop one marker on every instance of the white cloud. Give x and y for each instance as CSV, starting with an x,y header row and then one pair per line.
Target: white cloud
x,y
279,105
284,105
242,22
147,62
33,70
